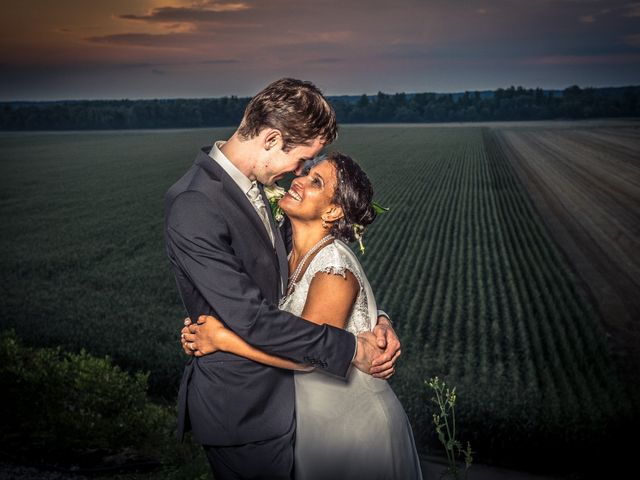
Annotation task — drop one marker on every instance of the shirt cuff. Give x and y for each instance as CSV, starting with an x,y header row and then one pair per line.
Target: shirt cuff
x,y
382,313
355,350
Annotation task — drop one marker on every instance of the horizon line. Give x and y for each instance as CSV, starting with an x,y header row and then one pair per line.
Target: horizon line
x,y
88,99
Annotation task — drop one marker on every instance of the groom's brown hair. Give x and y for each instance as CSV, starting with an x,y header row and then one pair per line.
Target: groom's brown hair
x,y
297,108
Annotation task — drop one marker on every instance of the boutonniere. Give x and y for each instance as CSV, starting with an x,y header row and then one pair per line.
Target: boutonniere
x,y
274,193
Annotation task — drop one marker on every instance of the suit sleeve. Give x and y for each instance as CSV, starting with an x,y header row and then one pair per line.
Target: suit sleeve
x,y
199,246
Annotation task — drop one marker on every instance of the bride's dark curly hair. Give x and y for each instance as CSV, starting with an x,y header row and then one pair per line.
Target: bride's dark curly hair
x,y
354,193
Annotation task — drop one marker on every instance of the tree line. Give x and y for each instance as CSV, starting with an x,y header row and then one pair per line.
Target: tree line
x,y
502,104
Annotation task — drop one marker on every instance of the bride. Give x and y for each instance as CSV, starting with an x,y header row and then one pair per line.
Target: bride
x,y
347,429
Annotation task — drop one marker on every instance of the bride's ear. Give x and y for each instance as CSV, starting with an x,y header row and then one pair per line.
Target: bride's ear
x,y
333,213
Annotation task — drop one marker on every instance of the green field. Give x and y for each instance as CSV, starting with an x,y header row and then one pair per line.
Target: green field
x,y
479,291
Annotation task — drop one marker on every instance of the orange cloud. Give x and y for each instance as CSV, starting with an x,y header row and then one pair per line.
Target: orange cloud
x,y
197,12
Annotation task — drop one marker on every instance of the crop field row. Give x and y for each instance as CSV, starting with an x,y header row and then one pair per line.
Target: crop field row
x,y
586,184
481,293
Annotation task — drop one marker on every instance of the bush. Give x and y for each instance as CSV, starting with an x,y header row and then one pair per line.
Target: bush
x,y
63,406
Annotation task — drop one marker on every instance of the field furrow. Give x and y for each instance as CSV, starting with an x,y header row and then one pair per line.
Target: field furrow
x,y
505,251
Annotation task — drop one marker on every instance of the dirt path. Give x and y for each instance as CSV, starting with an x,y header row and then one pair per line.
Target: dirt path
x,y
432,468
586,184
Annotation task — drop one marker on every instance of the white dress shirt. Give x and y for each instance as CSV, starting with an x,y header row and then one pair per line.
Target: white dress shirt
x,y
244,184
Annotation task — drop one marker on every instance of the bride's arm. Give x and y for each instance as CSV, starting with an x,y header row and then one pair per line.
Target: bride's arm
x,y
329,300
209,335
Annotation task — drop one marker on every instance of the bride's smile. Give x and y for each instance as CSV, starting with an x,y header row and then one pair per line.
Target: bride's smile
x,y
311,195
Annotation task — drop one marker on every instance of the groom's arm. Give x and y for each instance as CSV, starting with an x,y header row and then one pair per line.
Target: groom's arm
x,y
203,338
198,245
330,301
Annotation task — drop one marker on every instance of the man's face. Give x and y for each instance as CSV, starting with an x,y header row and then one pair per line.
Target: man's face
x,y
276,163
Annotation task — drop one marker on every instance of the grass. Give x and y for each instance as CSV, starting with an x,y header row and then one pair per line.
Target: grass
x,y
83,260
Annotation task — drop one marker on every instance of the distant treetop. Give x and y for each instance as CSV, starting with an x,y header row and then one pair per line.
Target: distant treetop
x,y
513,103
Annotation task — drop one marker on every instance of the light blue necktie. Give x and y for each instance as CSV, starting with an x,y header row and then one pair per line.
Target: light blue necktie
x,y
256,200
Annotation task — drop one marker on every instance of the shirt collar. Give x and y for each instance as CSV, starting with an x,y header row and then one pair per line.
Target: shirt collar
x,y
238,177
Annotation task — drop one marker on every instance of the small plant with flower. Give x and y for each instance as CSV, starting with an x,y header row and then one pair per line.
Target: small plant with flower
x,y
444,420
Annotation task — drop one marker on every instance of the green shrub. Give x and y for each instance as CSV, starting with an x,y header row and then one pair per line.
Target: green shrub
x,y
63,405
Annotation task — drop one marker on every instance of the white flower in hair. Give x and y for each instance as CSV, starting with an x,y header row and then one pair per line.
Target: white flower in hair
x,y
358,230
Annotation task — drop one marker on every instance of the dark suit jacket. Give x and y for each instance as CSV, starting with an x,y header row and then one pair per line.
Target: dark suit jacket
x,y
225,265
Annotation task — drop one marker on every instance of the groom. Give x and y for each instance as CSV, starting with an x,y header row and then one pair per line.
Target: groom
x,y
230,261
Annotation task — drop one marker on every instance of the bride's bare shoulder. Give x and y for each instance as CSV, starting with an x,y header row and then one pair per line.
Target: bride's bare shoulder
x,y
330,297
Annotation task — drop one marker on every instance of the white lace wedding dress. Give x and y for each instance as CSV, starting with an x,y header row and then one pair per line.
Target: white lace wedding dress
x,y
354,428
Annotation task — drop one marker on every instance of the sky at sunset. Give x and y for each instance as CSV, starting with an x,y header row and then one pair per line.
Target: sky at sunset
x,y
85,49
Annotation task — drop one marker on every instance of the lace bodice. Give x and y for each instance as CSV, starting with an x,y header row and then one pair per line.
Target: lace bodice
x,y
336,260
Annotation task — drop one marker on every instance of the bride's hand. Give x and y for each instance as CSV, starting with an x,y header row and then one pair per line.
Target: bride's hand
x,y
209,335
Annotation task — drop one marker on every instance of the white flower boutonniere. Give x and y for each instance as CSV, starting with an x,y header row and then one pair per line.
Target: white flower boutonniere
x,y
274,193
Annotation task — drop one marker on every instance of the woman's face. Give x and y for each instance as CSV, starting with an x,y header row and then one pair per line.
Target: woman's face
x,y
310,196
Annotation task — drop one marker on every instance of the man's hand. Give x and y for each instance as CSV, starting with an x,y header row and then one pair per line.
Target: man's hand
x,y
203,338
366,352
383,366
183,333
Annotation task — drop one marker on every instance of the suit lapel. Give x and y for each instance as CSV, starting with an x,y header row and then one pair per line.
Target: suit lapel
x,y
233,192
237,196
281,251
240,199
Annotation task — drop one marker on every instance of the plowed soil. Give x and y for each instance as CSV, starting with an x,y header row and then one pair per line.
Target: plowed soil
x,y
585,181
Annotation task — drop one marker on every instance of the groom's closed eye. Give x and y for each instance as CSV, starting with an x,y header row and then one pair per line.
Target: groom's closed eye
x,y
308,163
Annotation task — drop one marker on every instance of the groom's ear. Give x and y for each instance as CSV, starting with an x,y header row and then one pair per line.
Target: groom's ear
x,y
272,137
